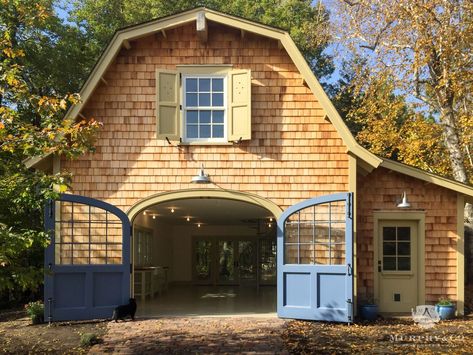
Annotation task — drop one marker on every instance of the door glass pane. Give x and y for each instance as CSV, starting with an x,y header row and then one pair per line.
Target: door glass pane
x,y
203,259
389,233
322,254
316,235
389,248
226,270
337,254
247,260
396,248
404,233
84,234
307,253
389,263
268,260
404,263
291,254
404,248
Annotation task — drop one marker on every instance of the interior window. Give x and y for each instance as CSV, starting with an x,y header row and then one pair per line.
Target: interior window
x,y
143,248
204,108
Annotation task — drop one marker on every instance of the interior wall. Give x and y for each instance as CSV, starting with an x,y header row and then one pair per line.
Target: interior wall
x,y
162,250
172,245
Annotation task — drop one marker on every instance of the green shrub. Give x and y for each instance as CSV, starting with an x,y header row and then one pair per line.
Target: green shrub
x,y
34,309
89,339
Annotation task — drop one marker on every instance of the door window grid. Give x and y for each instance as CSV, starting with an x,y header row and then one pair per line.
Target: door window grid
x,y
316,235
87,235
204,108
396,249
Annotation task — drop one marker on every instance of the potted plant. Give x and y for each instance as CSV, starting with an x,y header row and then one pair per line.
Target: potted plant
x,y
369,310
445,308
35,311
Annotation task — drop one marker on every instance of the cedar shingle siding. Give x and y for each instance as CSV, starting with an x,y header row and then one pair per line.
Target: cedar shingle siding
x,y
379,191
294,153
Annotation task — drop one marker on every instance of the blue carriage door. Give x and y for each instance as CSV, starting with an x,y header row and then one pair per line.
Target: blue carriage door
x,y
87,263
315,258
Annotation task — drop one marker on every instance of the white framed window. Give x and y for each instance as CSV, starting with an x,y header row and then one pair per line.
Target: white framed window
x,y
204,108
203,104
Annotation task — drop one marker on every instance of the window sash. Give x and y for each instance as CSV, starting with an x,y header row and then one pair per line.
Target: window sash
x,y
187,108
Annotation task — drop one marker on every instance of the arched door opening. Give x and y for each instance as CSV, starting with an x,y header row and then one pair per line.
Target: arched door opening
x,y
203,256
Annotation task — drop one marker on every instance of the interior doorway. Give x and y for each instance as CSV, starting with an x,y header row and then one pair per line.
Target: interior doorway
x,y
234,261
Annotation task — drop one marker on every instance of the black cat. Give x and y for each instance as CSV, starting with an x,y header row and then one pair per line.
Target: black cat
x,y
125,310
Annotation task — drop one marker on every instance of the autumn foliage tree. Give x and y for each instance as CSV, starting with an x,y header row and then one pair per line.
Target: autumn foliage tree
x,y
424,49
31,124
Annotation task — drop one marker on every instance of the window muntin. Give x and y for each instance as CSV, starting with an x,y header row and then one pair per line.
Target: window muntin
x,y
396,248
204,108
316,235
87,235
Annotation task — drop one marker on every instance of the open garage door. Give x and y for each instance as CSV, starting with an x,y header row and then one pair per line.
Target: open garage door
x,y
315,259
88,260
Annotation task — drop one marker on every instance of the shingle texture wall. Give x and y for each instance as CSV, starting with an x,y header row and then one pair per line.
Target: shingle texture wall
x,y
294,153
379,191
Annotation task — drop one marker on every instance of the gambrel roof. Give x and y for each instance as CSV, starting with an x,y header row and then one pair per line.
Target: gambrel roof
x,y
123,37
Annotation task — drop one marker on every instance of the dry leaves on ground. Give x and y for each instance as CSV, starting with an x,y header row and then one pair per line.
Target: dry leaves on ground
x,y
383,336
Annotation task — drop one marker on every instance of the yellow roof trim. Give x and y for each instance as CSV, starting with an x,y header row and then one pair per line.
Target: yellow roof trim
x,y
43,162
464,189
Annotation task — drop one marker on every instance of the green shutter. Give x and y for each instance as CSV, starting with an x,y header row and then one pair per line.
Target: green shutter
x,y
239,105
168,112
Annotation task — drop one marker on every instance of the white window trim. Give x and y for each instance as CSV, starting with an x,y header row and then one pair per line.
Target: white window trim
x,y
184,108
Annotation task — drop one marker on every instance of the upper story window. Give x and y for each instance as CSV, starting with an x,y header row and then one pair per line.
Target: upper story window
x,y
204,108
203,104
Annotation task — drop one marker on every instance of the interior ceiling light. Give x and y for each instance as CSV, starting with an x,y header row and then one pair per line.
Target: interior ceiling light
x,y
172,210
154,216
202,178
144,213
404,203
188,219
198,225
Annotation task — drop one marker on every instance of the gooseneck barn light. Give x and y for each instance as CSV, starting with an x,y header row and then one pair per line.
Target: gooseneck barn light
x,y
202,178
404,203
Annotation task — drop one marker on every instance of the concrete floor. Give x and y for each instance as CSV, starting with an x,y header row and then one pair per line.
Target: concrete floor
x,y
194,300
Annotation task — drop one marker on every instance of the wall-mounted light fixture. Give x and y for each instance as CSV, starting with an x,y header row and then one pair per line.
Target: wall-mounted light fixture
x,y
404,203
202,178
